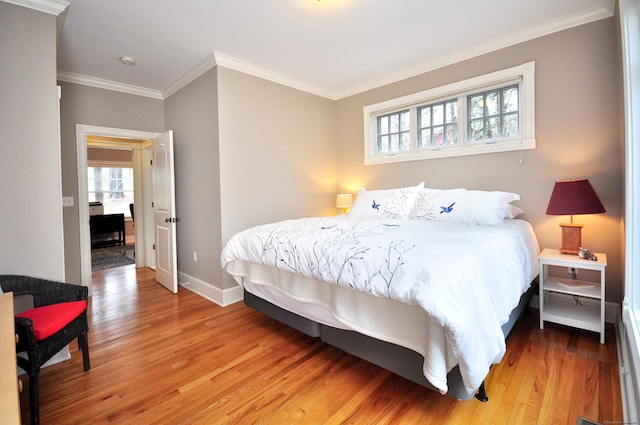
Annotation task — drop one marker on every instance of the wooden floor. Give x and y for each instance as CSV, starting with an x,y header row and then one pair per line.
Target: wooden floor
x,y
159,358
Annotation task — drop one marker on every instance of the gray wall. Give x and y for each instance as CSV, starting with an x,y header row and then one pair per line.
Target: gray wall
x,y
96,107
578,113
31,225
277,153
192,113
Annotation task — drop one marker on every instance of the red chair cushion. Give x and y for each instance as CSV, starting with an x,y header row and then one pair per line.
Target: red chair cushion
x,y
50,319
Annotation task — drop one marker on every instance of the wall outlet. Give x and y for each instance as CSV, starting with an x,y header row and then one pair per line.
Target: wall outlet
x,y
67,201
195,257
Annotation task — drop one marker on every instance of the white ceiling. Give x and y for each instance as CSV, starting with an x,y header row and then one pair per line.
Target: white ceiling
x,y
333,48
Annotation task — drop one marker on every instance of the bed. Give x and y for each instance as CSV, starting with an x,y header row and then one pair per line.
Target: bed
x,y
426,283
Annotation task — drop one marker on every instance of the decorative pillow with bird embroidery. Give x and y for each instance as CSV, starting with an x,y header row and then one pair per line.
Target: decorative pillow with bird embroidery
x,y
388,203
464,206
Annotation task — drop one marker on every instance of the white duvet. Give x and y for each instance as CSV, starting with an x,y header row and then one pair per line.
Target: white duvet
x,y
468,278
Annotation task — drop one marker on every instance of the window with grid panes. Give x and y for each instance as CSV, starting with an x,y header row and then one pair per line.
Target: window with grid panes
x,y
394,132
438,124
493,114
485,114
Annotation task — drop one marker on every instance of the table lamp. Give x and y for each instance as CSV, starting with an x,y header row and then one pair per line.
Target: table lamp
x,y
344,201
570,197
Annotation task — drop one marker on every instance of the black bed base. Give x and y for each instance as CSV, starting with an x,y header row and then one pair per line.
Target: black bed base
x,y
400,360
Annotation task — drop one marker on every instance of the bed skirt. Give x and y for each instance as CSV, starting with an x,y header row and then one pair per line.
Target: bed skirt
x,y
400,360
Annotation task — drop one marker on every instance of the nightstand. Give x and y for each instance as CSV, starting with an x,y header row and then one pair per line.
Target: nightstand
x,y
572,312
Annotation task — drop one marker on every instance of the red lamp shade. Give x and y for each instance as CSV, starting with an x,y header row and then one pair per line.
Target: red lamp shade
x,y
573,197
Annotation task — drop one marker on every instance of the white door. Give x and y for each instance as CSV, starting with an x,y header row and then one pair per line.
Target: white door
x,y
164,207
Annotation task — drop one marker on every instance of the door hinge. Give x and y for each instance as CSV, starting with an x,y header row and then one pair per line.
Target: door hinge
x,y
154,246
151,161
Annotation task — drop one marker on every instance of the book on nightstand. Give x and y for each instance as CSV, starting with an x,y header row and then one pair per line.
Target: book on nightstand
x,y
575,284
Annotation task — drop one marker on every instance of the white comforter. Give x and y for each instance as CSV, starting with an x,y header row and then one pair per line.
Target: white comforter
x,y
467,277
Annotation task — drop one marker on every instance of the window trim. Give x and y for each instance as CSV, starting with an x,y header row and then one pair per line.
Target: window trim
x,y
109,164
523,74
629,12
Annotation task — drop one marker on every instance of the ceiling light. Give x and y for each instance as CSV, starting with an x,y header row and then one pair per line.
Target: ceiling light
x,y
127,60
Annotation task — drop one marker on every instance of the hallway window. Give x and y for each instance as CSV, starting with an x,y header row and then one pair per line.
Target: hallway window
x,y
113,186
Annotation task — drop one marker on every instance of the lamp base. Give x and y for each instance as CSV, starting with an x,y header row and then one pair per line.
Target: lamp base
x,y
571,238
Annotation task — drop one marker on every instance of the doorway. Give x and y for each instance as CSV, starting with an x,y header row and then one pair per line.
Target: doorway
x,y
111,202
137,142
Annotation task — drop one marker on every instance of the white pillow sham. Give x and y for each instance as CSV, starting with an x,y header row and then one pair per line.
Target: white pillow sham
x,y
429,202
464,206
513,212
386,203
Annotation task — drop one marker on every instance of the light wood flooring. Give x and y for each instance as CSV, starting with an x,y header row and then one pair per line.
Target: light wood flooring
x,y
159,358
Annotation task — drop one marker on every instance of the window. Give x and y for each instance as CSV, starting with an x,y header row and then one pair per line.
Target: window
x,y
113,186
490,113
438,124
393,132
494,114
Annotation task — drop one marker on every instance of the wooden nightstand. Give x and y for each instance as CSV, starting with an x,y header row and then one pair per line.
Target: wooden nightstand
x,y
588,316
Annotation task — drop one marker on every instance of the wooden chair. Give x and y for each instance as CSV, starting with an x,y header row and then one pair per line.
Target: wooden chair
x,y
58,317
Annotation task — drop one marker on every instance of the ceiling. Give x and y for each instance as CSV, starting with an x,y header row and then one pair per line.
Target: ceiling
x,y
333,48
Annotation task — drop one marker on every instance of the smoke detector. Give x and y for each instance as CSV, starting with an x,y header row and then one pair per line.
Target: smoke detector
x,y
127,60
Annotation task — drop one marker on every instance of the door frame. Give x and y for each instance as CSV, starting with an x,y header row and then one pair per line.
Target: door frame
x,y
144,253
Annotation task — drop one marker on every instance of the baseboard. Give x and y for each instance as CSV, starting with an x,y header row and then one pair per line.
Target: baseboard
x,y
222,297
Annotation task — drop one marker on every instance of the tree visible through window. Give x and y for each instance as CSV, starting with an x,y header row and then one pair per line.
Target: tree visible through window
x,y
494,114
438,124
113,186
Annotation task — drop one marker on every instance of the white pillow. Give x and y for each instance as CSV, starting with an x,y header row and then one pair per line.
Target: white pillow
x,y
388,203
463,206
429,201
513,212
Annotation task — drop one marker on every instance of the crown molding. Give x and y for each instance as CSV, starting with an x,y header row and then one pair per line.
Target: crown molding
x,y
267,74
52,7
108,85
605,10
203,66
